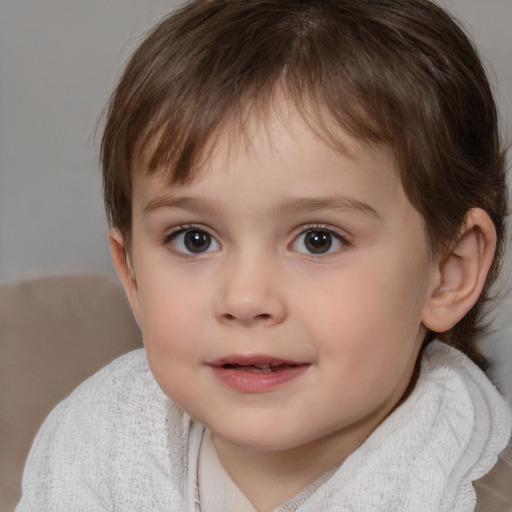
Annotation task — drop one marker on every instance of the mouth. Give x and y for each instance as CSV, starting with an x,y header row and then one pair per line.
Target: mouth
x,y
259,368
252,374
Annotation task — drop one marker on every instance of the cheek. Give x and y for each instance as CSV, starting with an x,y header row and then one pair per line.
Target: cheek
x,y
171,297
368,321
171,350
171,309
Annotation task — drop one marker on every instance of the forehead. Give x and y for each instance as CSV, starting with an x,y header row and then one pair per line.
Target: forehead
x,y
183,152
280,157
251,129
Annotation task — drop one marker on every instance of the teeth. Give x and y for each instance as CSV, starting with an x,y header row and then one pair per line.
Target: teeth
x,y
263,370
257,368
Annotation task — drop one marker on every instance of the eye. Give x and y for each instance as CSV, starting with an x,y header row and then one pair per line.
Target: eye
x,y
192,241
318,241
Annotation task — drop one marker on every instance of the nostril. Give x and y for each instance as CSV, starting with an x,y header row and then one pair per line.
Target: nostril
x,y
258,309
260,318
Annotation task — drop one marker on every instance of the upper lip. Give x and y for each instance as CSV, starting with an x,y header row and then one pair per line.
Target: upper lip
x,y
252,360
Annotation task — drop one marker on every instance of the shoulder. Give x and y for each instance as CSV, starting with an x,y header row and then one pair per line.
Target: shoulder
x,y
491,472
103,400
110,437
494,491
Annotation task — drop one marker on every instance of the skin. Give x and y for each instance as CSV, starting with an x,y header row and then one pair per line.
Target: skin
x,y
355,314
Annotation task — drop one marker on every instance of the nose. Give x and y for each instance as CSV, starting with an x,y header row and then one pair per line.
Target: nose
x,y
250,294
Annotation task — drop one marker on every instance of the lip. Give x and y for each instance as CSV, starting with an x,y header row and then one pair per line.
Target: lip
x,y
230,371
252,359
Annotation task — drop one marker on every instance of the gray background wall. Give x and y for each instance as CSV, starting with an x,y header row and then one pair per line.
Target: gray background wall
x,y
59,60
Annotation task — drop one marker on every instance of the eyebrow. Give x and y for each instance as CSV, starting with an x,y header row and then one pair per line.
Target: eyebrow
x,y
185,203
292,205
334,203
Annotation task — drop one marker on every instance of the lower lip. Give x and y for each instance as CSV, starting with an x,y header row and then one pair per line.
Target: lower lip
x,y
253,382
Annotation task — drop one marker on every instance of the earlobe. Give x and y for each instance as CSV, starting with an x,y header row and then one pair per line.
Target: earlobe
x,y
462,273
124,269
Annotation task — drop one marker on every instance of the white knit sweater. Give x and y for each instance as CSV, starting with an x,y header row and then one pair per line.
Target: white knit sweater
x,y
119,444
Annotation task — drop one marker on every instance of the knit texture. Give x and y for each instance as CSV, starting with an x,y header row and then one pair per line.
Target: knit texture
x,y
118,443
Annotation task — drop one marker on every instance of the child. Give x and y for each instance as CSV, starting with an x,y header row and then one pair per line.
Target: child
x,y
303,196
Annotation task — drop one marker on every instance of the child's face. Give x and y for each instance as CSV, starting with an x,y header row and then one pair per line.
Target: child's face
x,y
289,253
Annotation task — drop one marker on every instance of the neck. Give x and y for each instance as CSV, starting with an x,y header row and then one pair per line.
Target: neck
x,y
256,472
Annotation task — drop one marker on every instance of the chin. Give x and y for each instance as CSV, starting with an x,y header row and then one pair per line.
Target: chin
x,y
261,437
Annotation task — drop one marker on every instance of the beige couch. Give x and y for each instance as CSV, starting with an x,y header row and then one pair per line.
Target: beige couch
x,y
54,333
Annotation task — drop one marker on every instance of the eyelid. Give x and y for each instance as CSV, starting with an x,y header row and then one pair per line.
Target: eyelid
x,y
186,227
177,230
342,237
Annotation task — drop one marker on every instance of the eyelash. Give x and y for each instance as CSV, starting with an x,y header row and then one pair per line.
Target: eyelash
x,y
318,228
322,228
170,237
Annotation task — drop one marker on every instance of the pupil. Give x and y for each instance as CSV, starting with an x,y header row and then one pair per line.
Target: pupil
x,y
318,242
197,241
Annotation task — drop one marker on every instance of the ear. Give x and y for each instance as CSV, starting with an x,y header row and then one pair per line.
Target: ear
x,y
461,274
124,268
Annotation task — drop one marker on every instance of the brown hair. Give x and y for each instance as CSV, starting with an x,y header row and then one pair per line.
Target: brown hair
x,y
396,72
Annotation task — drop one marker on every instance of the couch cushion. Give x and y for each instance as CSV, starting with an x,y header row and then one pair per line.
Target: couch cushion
x,y
54,333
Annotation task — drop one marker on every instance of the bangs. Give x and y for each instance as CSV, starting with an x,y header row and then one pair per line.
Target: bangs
x,y
182,154
214,78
